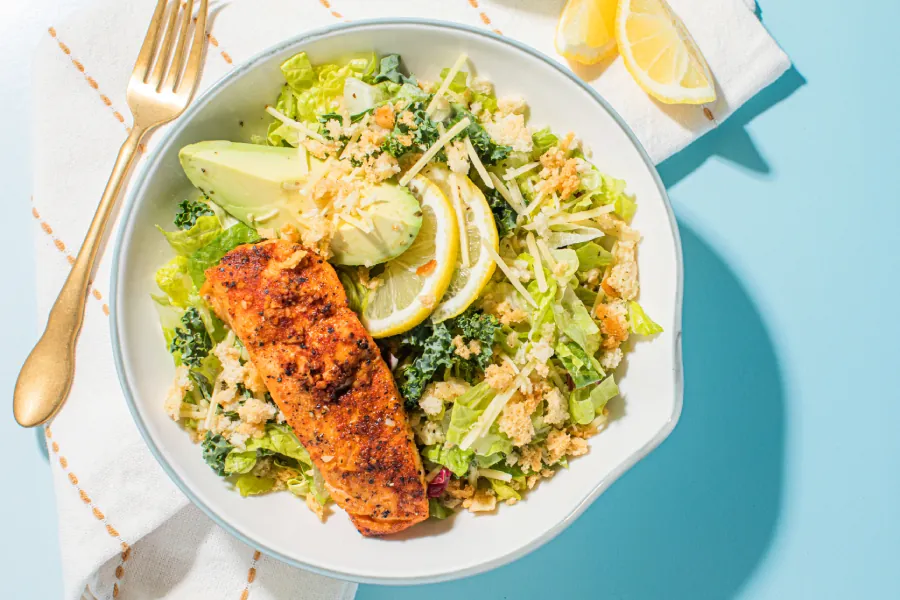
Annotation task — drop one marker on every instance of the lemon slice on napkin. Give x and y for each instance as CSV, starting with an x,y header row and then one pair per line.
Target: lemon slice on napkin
x,y
660,53
584,32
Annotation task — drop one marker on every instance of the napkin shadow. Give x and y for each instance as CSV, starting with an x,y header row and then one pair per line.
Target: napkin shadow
x,y
696,518
731,140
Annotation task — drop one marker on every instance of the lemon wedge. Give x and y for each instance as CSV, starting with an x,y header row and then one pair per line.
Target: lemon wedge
x,y
410,286
468,281
585,31
660,53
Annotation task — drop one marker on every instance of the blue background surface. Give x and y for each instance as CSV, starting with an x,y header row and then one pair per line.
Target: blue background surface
x,y
782,479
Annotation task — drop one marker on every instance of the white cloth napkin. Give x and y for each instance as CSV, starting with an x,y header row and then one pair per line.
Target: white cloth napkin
x,y
125,530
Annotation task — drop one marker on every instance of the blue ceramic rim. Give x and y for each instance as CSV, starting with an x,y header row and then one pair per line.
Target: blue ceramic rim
x,y
127,216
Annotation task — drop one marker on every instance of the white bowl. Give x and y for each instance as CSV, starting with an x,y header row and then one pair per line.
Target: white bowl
x,y
279,524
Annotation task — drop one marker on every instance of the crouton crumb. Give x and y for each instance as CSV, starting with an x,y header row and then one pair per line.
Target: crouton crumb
x,y
613,323
515,420
255,411
556,446
180,384
622,279
481,501
500,376
314,506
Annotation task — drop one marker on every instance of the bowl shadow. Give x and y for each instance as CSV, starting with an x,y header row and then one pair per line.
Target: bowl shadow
x,y
696,517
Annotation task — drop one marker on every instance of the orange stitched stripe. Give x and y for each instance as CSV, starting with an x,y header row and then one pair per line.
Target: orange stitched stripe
x,y
98,514
90,80
484,18
251,576
327,5
45,227
215,44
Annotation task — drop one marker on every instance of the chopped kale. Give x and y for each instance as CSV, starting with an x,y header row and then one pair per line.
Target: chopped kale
x,y
191,339
421,137
504,214
188,211
489,151
390,70
215,449
430,347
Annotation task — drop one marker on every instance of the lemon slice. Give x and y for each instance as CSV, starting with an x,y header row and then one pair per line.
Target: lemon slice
x,y
585,31
661,55
411,284
468,281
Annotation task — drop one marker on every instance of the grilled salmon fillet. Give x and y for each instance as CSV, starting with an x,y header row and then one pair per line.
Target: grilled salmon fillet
x,y
287,306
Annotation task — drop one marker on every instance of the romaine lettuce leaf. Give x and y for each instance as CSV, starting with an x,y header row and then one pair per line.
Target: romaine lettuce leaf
x,y
460,80
298,72
583,370
251,485
503,490
173,279
454,458
640,323
187,241
298,486
285,442
492,443
593,256
318,89
488,101
543,140
466,410
569,258
581,409
585,404
573,319
436,510
239,462
223,243
603,392
603,189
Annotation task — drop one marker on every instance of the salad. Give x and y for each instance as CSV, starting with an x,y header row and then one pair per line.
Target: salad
x,y
492,261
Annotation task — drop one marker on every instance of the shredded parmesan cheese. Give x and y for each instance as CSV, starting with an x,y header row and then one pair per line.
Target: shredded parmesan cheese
x,y
298,126
491,413
476,162
504,191
516,194
460,209
545,252
445,84
494,474
513,278
435,148
584,215
513,173
537,265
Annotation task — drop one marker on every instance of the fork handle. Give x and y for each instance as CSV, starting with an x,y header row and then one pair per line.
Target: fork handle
x,y
46,377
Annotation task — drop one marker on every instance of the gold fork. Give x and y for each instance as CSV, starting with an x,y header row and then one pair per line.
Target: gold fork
x,y
159,90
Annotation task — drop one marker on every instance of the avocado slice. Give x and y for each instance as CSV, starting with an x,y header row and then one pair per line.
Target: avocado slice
x,y
259,186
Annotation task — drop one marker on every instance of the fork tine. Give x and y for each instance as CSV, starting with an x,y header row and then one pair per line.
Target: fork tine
x,y
145,57
191,71
165,48
178,60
